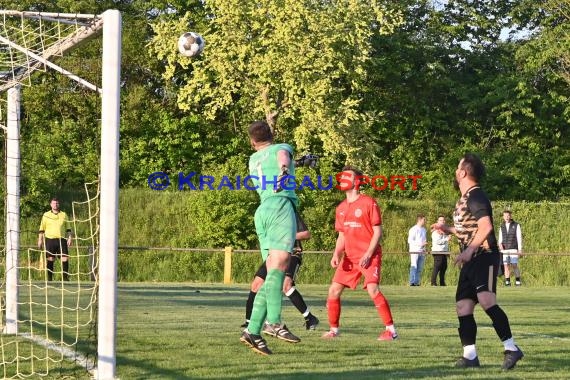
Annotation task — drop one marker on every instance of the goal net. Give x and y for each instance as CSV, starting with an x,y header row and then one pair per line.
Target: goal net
x,y
70,321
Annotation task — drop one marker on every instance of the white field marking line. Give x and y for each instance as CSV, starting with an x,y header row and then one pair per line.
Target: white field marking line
x,y
546,336
81,360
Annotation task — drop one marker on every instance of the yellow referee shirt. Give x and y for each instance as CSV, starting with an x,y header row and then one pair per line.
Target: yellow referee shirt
x,y
54,226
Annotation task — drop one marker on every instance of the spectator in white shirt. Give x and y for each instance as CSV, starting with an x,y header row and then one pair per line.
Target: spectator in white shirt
x,y
439,251
417,241
510,242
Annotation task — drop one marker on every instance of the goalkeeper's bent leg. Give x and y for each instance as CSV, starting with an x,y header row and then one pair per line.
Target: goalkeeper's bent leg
x,y
273,287
259,311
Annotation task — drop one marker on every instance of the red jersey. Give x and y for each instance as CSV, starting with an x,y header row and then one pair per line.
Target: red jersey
x,y
356,220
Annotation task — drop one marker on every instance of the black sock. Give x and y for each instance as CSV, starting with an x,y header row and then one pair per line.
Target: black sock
x,y
518,279
500,322
249,305
467,330
49,270
65,269
297,300
507,279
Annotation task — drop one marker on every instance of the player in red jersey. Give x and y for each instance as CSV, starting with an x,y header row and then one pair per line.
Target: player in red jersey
x,y
357,252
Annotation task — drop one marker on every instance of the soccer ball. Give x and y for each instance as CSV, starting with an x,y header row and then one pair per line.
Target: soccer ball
x,y
191,44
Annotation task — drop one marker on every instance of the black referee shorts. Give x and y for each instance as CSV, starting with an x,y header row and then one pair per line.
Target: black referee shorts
x,y
56,247
478,275
295,261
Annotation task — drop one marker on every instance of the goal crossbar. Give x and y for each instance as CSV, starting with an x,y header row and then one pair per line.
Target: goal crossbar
x,y
55,16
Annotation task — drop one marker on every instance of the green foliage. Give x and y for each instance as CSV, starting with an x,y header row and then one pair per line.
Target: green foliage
x,y
60,119
396,88
205,219
194,218
458,87
307,64
210,219
182,266
400,88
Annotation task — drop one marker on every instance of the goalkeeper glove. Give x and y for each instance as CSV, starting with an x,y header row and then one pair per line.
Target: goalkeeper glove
x,y
309,160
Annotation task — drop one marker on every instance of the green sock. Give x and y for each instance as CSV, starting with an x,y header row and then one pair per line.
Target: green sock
x,y
273,288
259,311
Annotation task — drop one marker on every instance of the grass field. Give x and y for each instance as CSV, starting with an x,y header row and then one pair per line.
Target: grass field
x,y
191,331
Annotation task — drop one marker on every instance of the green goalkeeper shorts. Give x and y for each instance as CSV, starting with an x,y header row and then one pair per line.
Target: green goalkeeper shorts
x,y
276,225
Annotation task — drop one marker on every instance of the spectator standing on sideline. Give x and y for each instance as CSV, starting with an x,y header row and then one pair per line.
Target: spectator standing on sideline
x,y
510,241
439,243
417,240
53,227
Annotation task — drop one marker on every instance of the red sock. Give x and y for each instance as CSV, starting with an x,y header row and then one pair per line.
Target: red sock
x,y
383,309
333,308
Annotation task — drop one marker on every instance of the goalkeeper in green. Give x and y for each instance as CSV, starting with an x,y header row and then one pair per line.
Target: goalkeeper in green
x,y
289,288
276,227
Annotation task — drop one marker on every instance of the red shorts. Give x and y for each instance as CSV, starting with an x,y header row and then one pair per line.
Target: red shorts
x,y
348,273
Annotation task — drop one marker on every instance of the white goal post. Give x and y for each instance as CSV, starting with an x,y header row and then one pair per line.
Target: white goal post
x,y
109,220
109,166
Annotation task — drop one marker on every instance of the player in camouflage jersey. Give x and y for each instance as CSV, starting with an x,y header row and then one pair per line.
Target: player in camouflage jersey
x,y
480,261
276,228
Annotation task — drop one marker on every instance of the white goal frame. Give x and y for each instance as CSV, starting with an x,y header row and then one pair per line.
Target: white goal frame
x,y
109,184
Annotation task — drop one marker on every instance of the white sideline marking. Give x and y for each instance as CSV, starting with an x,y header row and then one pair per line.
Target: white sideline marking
x,y
544,336
88,364
530,334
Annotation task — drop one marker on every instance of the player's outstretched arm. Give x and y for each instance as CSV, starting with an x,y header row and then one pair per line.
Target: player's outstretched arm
x,y
283,160
443,228
303,235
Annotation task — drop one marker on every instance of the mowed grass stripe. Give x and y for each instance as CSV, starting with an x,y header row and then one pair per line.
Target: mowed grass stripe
x,y
191,331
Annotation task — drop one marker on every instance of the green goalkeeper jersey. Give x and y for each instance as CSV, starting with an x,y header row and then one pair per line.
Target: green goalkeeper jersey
x,y
264,171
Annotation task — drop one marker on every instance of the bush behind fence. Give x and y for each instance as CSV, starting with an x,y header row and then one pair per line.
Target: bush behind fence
x,y
140,265
193,219
180,266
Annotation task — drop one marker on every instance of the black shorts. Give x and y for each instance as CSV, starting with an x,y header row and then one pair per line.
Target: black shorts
x,y
295,262
56,247
478,275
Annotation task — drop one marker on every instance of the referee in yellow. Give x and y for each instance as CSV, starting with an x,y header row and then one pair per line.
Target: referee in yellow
x,y
51,236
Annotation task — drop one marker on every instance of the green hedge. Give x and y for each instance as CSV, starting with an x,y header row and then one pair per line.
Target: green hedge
x,y
215,219
176,266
